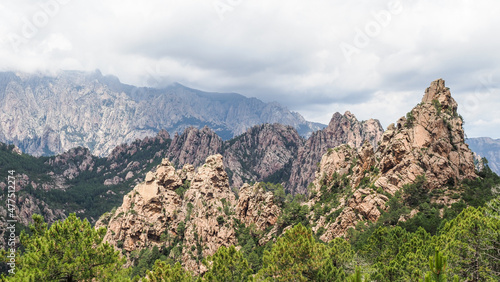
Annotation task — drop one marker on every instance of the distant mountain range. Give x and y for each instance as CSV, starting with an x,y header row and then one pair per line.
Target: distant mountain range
x,y
487,148
47,115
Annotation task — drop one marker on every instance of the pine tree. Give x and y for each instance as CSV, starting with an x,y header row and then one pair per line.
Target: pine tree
x,y
70,250
227,264
296,256
438,264
472,243
163,272
357,276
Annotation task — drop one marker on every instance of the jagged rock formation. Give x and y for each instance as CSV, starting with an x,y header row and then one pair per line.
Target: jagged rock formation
x,y
193,146
429,141
251,197
342,129
273,152
72,163
46,115
488,148
191,210
264,153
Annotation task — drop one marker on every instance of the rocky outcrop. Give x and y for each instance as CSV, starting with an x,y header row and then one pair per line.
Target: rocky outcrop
x,y
273,152
255,206
71,163
342,129
263,153
47,115
193,146
176,205
26,205
428,141
190,211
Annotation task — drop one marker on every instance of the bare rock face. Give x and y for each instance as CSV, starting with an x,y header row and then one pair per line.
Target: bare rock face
x,y
26,206
429,141
194,146
255,206
263,153
73,162
154,212
186,207
342,129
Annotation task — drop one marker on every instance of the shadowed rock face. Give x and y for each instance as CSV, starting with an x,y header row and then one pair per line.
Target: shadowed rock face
x,y
428,141
256,155
342,129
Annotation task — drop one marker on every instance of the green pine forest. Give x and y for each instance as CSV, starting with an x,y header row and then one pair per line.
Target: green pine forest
x,y
460,244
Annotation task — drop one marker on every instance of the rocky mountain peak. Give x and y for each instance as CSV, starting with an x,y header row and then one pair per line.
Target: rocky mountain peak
x,y
438,91
194,145
427,143
349,115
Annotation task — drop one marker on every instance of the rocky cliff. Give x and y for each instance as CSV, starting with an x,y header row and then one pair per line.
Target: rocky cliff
x,y
342,129
273,152
46,115
425,146
192,212
263,153
193,146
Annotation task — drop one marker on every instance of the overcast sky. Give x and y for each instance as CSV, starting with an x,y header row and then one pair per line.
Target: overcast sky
x,y
373,58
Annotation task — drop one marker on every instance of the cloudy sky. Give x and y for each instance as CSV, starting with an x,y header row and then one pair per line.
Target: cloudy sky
x,y
374,58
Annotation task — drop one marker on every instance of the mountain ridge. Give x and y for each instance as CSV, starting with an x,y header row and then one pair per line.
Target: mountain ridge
x,y
44,115
488,148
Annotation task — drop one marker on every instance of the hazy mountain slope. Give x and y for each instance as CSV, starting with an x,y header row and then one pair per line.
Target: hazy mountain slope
x,y
488,148
46,115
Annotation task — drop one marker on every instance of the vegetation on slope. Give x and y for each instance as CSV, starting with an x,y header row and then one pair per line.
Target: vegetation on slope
x,y
465,248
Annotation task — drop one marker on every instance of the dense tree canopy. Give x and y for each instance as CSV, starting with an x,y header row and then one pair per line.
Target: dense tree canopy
x,y
70,250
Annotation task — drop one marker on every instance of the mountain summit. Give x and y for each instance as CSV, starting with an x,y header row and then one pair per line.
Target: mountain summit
x,y
425,150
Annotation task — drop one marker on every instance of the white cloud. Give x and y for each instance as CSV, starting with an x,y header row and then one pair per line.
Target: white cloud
x,y
287,51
